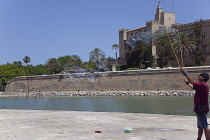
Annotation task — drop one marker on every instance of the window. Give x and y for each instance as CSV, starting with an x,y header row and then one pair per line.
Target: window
x,y
203,37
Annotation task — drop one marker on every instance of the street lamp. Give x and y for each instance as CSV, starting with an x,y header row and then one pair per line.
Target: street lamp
x,y
146,63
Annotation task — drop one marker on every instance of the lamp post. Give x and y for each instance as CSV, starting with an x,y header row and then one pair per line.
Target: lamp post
x,y
146,63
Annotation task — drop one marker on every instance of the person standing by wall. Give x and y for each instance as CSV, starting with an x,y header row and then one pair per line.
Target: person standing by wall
x,y
201,105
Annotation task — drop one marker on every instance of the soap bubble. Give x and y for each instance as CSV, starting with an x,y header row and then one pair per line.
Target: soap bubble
x,y
164,32
93,77
75,56
149,36
77,74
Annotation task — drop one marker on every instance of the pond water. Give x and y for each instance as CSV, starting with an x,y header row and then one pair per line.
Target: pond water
x,y
181,105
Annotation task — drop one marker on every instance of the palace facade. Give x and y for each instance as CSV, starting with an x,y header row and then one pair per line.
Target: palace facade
x,y
163,19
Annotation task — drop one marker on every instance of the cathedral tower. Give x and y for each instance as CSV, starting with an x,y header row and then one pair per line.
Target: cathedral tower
x,y
158,13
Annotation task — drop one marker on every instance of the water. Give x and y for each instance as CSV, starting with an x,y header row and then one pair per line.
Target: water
x,y
181,105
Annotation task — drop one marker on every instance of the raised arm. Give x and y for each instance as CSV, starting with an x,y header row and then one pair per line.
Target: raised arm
x,y
185,73
188,83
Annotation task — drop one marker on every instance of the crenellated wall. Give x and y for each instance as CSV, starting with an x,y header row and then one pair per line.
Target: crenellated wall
x,y
138,80
189,25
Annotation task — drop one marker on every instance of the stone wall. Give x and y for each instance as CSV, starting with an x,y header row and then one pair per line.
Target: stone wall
x,y
112,93
136,80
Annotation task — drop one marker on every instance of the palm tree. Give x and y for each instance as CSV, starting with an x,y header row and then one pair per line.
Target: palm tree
x,y
164,52
65,61
184,41
116,47
96,56
18,64
27,60
52,65
76,60
109,61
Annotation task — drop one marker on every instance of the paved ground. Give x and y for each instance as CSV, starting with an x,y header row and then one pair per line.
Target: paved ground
x,y
72,125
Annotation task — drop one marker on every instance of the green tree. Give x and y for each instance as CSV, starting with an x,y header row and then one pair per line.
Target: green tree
x,y
18,64
76,60
37,70
96,56
89,65
53,65
109,62
139,56
164,51
116,47
184,41
8,72
65,62
69,61
27,60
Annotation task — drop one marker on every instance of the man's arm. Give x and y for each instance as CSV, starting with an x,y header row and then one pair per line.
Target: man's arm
x,y
188,83
184,72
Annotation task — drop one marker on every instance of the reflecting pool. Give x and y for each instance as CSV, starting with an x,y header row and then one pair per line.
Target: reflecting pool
x,y
181,105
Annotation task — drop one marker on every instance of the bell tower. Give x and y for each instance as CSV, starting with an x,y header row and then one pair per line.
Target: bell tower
x,y
164,18
159,10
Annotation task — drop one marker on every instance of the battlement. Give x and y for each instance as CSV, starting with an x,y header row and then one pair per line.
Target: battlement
x,y
151,21
178,25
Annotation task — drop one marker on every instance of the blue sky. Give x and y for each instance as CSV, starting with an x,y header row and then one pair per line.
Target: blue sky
x,y
43,29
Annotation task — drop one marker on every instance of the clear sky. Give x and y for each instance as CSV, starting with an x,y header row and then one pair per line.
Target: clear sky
x,y
43,29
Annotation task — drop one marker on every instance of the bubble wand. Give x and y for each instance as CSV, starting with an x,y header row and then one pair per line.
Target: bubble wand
x,y
172,48
180,45
148,36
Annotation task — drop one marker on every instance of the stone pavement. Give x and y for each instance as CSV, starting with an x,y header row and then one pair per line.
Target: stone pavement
x,y
75,125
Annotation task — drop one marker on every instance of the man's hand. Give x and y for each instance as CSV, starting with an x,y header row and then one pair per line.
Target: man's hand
x,y
185,80
187,77
182,70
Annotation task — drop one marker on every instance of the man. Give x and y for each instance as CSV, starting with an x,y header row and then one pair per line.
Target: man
x,y
201,106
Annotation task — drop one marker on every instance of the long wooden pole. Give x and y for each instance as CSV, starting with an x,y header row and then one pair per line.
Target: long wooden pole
x,y
173,48
180,45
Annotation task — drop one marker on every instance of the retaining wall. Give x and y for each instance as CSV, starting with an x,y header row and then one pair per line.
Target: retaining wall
x,y
136,80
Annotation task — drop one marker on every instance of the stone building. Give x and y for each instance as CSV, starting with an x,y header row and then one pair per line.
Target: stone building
x,y
189,57
162,19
